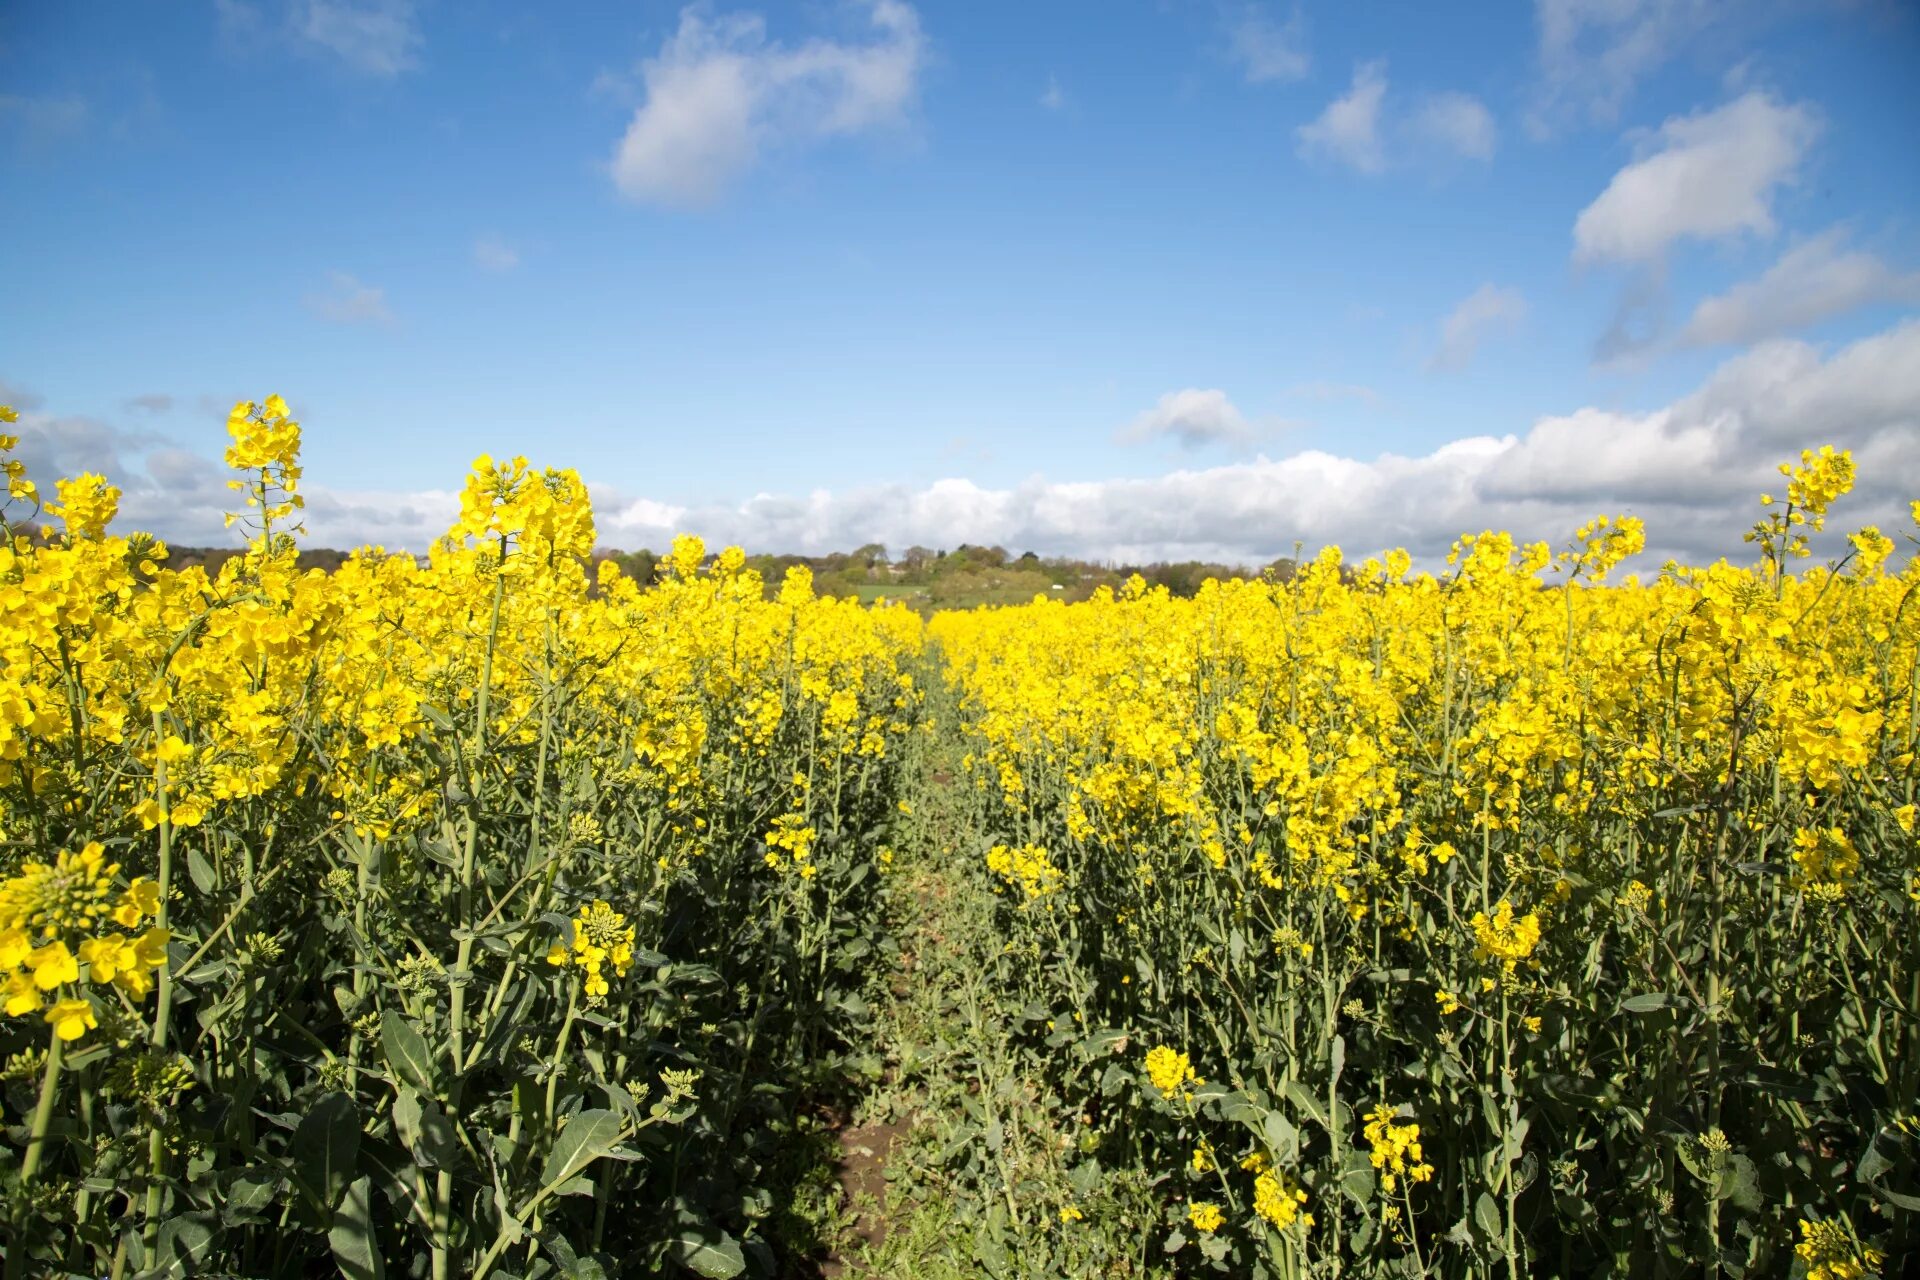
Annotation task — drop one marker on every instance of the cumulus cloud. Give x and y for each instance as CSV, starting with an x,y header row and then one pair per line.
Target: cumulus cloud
x,y
1349,129
1702,177
1366,130
1266,48
719,93
1194,417
1487,310
379,38
346,300
1811,282
1691,469
491,253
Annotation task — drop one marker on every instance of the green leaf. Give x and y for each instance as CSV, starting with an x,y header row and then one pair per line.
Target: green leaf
x,y
200,870
247,1192
352,1238
1486,1216
406,1051
1874,1164
586,1138
708,1251
425,1130
1650,1002
324,1146
184,1243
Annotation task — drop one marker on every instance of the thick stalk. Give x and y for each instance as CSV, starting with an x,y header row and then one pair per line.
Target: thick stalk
x,y
163,997
30,1165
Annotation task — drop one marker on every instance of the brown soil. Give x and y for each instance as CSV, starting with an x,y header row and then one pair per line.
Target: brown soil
x,y
862,1170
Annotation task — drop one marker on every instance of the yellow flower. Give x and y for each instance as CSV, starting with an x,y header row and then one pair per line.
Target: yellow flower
x,y
1831,1252
1449,1003
1071,1213
22,996
1503,937
1170,1071
1205,1216
1396,1148
71,1019
53,965
1278,1203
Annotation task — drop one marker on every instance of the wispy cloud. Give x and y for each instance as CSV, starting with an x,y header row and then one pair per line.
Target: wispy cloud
x,y
1266,48
1054,97
1368,129
491,253
719,93
1349,129
347,300
38,123
379,38
1811,282
1487,310
1458,122
1593,54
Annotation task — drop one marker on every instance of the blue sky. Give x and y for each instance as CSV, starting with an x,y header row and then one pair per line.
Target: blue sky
x,y
1116,279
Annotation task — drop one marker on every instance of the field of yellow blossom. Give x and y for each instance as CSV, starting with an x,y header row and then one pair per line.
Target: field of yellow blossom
x,y
474,918
1506,921
486,915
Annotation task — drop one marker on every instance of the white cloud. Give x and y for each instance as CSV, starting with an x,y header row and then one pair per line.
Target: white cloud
x,y
374,37
1267,49
153,402
378,37
1054,97
1811,282
1691,469
1594,53
1459,122
719,92
1356,127
1487,310
491,253
1193,417
346,300
1706,175
1349,129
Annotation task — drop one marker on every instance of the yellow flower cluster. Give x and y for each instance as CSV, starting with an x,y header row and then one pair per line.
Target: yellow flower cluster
x,y
1279,1203
601,938
1205,1216
1825,862
1027,867
53,920
1830,1252
1396,1148
1505,937
1171,1072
